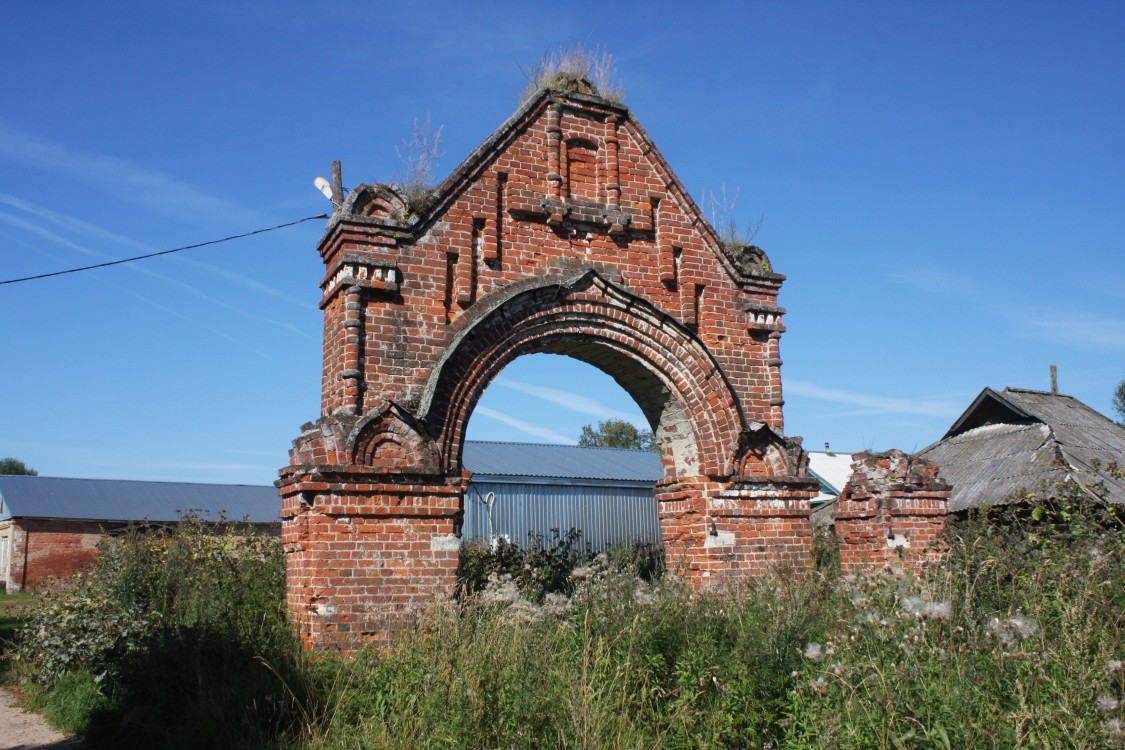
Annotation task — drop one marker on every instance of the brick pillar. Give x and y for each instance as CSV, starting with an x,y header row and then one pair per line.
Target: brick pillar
x,y
892,513
17,569
719,531
366,551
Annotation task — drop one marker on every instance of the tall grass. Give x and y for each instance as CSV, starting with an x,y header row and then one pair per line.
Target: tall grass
x,y
1014,640
625,664
173,639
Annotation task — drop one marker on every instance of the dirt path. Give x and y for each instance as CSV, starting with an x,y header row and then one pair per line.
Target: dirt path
x,y
20,730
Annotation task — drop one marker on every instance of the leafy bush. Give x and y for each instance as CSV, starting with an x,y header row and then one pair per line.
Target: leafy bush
x,y
545,564
82,630
541,566
182,636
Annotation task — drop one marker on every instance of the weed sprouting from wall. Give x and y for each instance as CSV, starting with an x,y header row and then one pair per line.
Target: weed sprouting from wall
x,y
417,156
721,208
575,69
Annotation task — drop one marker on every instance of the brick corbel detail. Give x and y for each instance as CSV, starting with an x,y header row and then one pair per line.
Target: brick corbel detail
x,y
891,513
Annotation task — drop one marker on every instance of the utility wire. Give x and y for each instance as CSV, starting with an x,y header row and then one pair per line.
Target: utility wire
x,y
165,252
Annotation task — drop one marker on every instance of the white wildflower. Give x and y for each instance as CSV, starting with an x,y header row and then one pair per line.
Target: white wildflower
x,y
643,594
556,604
500,590
1107,704
814,652
582,573
1012,630
523,611
926,610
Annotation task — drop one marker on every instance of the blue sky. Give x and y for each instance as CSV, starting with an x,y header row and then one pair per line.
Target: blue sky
x,y
943,184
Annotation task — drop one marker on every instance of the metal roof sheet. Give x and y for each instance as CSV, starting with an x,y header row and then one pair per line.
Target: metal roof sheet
x,y
128,500
834,469
562,461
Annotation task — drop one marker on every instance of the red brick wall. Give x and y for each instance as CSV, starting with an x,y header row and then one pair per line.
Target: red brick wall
x,y
565,232
891,513
45,552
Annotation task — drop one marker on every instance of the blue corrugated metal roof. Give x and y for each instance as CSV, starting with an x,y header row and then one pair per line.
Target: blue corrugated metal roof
x,y
562,461
128,500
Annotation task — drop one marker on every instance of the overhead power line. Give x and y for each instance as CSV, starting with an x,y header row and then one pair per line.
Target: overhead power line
x,y
165,252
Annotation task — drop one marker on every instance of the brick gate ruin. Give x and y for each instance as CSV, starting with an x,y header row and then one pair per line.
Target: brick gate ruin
x,y
565,232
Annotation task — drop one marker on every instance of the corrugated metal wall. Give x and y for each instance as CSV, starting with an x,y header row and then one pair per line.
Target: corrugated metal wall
x,y
605,515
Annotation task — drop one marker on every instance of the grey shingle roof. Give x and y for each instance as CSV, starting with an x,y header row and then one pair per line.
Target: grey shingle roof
x,y
127,500
1014,441
561,461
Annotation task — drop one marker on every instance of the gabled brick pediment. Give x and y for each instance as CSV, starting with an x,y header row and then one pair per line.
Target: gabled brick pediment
x,y
579,174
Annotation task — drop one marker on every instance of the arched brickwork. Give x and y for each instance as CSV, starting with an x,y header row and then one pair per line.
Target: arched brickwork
x,y
664,366
565,232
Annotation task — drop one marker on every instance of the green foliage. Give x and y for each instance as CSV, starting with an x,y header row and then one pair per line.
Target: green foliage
x,y
616,433
14,609
547,564
629,664
84,630
75,702
826,550
182,634
541,566
11,465
1015,641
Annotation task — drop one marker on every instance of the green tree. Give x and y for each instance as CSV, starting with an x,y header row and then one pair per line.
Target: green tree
x,y
616,433
11,465
1119,402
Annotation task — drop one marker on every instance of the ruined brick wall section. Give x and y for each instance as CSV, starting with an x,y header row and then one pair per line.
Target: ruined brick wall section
x,y
364,558
892,513
715,533
46,552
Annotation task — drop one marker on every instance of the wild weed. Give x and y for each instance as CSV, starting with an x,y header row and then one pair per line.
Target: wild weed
x,y
169,629
570,68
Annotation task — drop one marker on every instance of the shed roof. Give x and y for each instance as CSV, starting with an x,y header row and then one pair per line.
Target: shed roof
x,y
833,470
1014,441
129,500
561,461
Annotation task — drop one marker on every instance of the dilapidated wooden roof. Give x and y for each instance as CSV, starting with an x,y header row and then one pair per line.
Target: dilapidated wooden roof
x,y
1009,443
